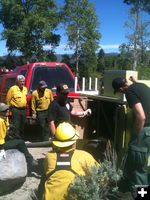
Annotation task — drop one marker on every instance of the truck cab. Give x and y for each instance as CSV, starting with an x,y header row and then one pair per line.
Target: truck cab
x,y
53,73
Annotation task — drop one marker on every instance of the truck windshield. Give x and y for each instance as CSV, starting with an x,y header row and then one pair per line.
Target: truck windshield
x,y
53,77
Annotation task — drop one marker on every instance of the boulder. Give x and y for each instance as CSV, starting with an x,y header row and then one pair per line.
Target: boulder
x,y
13,171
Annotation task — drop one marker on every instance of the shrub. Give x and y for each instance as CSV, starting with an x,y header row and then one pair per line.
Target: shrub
x,y
99,182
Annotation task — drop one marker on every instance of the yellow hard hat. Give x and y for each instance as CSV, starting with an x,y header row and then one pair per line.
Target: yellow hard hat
x,y
65,135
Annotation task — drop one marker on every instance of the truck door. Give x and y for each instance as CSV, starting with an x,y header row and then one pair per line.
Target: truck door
x,y
7,82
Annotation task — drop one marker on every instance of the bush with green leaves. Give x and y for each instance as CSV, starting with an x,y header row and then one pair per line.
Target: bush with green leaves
x,y
99,183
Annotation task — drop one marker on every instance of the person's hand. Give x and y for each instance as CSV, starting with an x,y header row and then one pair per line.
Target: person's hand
x,y
87,112
132,78
34,116
2,154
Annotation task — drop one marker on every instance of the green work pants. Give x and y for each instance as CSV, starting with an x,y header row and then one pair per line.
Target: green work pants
x,y
21,146
42,120
18,120
135,170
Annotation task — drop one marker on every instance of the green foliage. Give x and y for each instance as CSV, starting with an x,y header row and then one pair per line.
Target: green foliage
x,y
124,60
110,62
81,25
99,183
66,59
144,73
138,34
145,4
101,61
29,25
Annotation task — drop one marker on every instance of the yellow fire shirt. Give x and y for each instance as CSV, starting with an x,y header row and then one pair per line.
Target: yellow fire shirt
x,y
56,185
17,97
41,101
4,124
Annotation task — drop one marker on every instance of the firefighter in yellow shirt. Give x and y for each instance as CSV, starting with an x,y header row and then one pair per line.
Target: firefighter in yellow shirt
x,y
41,99
9,142
64,162
16,100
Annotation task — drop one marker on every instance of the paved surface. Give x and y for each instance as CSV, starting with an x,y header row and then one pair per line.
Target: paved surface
x,y
39,152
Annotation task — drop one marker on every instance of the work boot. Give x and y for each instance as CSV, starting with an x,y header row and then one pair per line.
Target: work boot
x,y
32,166
33,163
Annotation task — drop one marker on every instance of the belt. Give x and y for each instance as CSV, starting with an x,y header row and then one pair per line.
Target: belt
x,y
42,110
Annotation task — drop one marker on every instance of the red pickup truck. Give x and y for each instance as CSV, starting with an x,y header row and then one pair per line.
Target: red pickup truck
x,y
53,73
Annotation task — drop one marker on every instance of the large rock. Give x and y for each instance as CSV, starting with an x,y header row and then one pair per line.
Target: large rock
x,y
13,171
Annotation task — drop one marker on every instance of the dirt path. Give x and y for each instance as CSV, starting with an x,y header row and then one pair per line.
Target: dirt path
x,y
26,191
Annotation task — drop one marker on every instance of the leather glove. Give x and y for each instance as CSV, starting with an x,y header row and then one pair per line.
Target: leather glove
x,y
2,154
87,112
34,116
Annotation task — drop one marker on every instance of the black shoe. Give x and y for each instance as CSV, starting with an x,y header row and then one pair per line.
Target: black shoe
x,y
33,163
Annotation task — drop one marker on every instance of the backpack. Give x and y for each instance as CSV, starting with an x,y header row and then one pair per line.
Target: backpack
x,y
63,163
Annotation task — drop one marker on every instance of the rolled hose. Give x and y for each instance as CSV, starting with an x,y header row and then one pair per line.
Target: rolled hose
x,y
38,144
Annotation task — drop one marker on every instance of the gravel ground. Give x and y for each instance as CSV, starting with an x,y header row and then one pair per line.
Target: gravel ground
x,y
26,191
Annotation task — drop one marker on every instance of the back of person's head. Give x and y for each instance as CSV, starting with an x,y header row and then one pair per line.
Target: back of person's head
x,y
117,83
62,88
65,135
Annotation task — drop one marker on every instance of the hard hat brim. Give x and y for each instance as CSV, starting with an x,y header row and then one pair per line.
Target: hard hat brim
x,y
63,144
66,143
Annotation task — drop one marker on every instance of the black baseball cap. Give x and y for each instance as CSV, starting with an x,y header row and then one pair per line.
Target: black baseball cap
x,y
117,83
63,88
42,84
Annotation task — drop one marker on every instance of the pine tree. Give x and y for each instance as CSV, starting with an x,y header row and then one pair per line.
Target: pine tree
x,y
81,25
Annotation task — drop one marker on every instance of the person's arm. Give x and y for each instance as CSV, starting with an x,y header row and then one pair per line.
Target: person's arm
x,y
139,117
51,96
52,127
2,140
33,106
81,113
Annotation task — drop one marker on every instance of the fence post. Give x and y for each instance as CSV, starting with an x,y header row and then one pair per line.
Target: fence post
x,y
83,84
95,84
90,83
75,84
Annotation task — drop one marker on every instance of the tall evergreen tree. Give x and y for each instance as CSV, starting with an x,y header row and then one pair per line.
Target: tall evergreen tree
x,y
29,25
145,4
124,60
81,25
101,61
138,37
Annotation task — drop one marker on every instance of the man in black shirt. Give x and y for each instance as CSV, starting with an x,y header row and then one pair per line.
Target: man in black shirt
x,y
138,98
61,110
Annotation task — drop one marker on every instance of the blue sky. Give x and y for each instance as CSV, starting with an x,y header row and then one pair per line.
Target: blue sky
x,y
112,15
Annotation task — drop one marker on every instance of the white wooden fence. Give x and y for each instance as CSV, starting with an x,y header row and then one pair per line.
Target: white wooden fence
x,y
90,90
